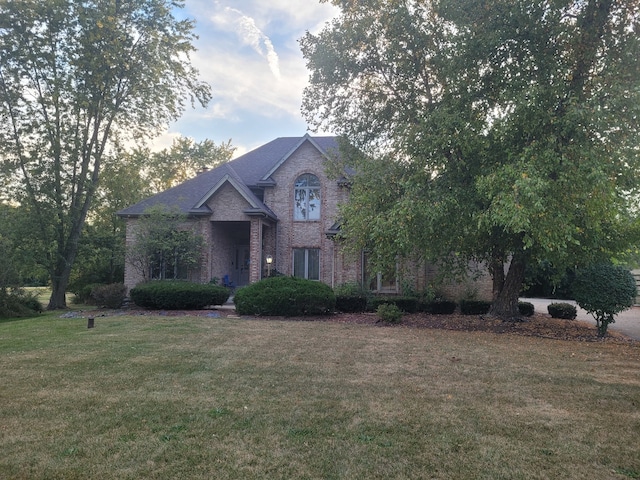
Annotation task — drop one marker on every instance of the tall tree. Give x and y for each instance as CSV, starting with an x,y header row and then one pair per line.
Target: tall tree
x,y
506,131
74,76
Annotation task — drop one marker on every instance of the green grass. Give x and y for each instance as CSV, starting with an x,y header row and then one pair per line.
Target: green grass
x,y
201,398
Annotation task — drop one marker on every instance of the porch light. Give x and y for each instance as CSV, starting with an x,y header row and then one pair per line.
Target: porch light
x,y
269,260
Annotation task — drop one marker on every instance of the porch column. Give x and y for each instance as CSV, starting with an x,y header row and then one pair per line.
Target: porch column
x,y
255,248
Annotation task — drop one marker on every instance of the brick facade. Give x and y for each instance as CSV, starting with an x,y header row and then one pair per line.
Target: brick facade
x,y
248,222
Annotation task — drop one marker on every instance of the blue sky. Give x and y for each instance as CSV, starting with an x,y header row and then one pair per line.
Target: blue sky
x,y
248,52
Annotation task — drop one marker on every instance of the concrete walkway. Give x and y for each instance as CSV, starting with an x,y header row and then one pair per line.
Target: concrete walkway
x,y
627,322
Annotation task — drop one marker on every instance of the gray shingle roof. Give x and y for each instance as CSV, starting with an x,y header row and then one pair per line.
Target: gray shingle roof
x,y
249,170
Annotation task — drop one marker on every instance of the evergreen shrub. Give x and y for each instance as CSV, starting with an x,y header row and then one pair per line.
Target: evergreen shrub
x,y
562,310
351,298
389,313
474,307
526,308
286,296
178,295
438,307
18,303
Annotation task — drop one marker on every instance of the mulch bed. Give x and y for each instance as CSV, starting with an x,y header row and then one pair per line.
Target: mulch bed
x,y
539,325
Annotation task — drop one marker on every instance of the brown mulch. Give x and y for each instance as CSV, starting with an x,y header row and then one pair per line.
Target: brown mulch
x,y
539,325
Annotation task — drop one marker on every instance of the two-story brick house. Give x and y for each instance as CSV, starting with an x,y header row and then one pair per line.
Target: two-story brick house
x,y
275,202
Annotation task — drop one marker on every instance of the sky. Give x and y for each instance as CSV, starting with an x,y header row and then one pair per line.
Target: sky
x,y
248,52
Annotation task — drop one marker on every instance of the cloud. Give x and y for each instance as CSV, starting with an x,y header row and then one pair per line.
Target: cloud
x,y
249,33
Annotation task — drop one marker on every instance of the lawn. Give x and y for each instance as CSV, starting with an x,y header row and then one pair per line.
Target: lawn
x,y
201,398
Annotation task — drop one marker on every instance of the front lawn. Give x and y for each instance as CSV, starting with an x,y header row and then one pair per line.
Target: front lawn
x,y
164,397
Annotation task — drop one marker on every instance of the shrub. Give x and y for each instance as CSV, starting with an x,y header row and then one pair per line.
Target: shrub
x,y
109,296
562,310
474,307
177,295
406,304
438,307
389,313
287,296
526,308
604,290
18,303
351,297
351,303
82,293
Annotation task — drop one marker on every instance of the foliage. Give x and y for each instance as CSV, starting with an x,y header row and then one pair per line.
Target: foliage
x,y
562,310
165,246
474,307
351,303
438,307
110,296
405,304
503,131
543,280
389,313
177,295
604,290
287,296
18,303
526,309
82,292
75,77
351,297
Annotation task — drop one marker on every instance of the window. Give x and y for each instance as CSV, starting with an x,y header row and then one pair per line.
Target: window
x,y
307,198
306,263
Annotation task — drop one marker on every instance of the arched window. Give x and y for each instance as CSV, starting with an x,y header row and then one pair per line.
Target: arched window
x,y
306,203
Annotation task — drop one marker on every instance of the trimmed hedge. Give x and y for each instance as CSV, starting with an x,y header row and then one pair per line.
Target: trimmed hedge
x,y
178,295
474,307
438,307
351,303
526,308
562,310
286,296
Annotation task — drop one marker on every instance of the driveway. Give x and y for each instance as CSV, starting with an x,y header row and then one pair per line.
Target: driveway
x,y
627,322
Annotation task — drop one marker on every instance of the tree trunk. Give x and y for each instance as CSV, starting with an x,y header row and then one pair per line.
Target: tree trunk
x,y
505,303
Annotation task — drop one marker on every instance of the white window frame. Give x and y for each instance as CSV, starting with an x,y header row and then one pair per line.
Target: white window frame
x,y
307,256
312,188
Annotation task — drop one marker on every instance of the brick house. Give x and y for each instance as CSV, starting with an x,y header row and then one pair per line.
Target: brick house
x,y
275,202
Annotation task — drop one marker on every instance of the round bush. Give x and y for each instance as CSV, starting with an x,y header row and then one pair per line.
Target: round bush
x,y
604,290
562,310
286,296
177,295
526,308
405,304
389,312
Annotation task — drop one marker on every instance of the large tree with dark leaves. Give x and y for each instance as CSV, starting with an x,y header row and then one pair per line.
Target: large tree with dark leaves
x,y
75,75
504,131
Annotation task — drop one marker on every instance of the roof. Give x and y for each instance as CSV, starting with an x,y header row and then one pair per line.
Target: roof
x,y
253,169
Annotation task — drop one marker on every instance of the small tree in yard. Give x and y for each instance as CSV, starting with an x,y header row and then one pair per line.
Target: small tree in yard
x,y
165,247
604,291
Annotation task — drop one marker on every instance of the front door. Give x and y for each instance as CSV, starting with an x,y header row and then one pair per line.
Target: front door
x,y
243,264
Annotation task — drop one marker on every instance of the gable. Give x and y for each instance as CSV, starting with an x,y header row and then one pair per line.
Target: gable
x,y
228,204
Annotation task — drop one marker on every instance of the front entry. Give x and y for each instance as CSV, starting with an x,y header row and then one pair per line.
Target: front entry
x,y
243,265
